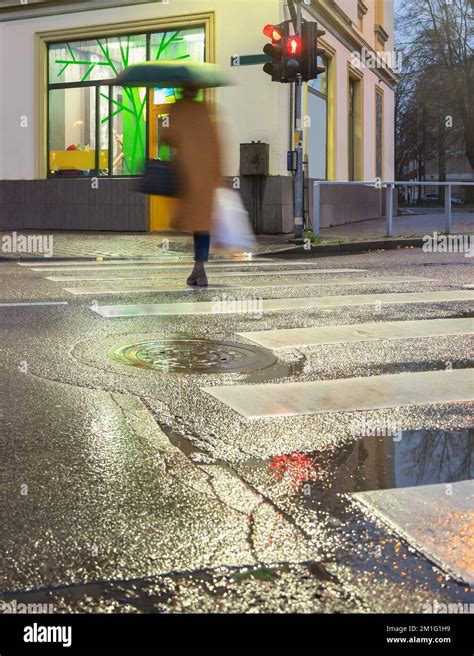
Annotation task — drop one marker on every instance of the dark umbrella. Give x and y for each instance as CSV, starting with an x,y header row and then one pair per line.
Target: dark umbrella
x,y
172,74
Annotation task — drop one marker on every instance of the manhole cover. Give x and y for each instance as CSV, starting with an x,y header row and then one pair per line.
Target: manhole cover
x,y
188,356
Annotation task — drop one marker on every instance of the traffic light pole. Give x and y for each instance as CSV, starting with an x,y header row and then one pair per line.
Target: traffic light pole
x,y
299,179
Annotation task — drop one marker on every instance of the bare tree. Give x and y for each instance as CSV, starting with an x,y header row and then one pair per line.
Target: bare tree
x,y
437,40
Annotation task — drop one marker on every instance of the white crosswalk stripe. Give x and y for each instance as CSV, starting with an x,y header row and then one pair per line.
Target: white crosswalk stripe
x,y
224,306
144,265
148,287
67,263
362,332
345,395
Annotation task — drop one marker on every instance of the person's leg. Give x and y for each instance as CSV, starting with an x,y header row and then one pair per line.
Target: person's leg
x,y
201,254
202,243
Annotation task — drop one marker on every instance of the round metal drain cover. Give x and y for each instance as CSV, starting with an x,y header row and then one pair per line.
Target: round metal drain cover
x,y
190,356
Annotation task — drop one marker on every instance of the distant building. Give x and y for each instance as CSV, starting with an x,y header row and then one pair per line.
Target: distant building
x,y
64,126
458,169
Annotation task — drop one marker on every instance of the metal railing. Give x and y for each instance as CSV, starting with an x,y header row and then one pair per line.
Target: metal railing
x,y
389,186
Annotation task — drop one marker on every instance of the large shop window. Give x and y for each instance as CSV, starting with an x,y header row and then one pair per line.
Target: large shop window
x,y
95,129
318,128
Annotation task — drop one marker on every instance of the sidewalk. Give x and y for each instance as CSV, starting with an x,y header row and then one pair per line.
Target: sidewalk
x,y
413,225
110,245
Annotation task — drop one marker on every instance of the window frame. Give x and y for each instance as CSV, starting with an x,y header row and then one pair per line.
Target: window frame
x,y
95,173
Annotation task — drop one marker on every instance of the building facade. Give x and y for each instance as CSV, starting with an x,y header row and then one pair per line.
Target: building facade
x,y
73,145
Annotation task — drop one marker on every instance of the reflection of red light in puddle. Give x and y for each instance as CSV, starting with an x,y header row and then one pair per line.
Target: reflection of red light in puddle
x,y
299,467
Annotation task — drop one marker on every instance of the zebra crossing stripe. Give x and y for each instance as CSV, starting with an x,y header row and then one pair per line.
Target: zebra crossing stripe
x,y
101,291
102,263
221,306
182,266
346,395
39,304
150,287
361,332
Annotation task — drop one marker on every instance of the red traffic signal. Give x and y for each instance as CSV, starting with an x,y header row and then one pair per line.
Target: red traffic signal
x,y
274,50
274,32
293,46
292,58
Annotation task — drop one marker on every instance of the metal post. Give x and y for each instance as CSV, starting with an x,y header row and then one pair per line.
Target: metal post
x,y
447,210
316,208
389,210
299,178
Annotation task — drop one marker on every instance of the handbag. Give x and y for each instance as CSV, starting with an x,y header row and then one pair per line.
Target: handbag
x,y
160,179
231,223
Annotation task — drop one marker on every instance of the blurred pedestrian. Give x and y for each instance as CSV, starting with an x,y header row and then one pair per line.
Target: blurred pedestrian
x,y
193,133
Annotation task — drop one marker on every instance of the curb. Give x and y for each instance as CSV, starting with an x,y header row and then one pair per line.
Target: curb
x,y
348,248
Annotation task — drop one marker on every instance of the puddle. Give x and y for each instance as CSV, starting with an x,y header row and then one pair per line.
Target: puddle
x,y
400,459
405,459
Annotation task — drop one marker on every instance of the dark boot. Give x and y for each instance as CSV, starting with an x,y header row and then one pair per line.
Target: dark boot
x,y
198,276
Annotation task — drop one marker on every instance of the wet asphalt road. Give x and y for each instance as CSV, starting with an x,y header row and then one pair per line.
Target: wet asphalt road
x,y
131,489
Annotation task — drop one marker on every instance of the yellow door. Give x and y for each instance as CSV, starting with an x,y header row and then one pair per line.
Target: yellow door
x,y
161,207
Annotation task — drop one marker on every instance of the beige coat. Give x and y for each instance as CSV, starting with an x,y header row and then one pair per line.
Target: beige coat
x,y
193,133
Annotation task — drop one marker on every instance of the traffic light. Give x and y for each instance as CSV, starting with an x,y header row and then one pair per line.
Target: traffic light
x,y
291,55
278,34
311,52
292,58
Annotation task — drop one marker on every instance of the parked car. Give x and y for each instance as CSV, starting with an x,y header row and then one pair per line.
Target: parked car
x,y
430,199
433,199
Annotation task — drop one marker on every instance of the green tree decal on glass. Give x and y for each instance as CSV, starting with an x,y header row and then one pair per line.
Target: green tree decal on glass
x,y
132,113
169,45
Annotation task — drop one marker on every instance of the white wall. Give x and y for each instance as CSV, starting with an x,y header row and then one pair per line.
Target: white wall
x,y
249,105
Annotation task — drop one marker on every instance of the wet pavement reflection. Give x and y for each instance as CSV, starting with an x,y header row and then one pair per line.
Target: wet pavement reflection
x,y
405,459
